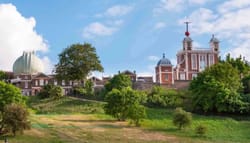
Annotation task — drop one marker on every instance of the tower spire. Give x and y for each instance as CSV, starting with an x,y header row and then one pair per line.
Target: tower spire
x,y
187,33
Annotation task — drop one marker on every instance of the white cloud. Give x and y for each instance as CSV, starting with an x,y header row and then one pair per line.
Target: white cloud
x,y
198,2
233,5
160,25
117,11
48,65
153,58
171,5
98,29
17,34
176,5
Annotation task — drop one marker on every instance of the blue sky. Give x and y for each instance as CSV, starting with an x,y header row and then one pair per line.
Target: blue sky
x,y
127,34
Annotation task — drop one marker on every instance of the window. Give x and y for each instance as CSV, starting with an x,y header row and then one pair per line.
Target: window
x,y
194,75
36,82
210,60
26,84
41,82
182,76
55,82
63,82
166,77
46,82
194,61
202,62
25,77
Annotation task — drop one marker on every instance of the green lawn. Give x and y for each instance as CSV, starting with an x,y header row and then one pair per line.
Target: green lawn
x,y
82,121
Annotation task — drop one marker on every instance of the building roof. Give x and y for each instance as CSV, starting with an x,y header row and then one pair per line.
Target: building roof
x,y
188,39
28,63
213,39
164,61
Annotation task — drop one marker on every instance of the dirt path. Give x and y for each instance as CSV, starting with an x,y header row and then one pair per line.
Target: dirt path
x,y
85,128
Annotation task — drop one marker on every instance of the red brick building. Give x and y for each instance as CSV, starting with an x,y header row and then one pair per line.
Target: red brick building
x,y
190,61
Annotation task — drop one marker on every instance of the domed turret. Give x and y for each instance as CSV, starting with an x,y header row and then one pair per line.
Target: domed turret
x,y
28,63
164,62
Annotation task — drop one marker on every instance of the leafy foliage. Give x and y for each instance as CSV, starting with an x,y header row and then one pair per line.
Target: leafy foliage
x,y
50,90
246,84
89,87
118,81
56,92
201,130
238,63
217,89
3,75
15,118
182,118
9,94
77,61
164,97
125,103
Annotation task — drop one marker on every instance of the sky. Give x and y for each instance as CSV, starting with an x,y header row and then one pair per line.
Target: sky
x,y
127,34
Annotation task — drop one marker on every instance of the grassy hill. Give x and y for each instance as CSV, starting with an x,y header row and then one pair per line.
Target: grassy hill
x,y
83,121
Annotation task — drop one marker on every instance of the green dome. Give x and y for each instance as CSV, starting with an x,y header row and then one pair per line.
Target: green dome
x,y
28,63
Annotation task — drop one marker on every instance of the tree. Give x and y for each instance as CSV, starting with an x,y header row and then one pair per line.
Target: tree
x,y
125,103
182,118
15,118
217,89
118,81
51,91
8,94
239,63
77,61
56,92
164,97
3,75
89,87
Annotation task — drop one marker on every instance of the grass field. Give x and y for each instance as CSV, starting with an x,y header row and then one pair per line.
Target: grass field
x,y
79,121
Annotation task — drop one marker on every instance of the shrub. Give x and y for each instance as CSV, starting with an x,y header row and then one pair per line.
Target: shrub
x,y
125,103
15,118
201,130
50,90
182,118
164,97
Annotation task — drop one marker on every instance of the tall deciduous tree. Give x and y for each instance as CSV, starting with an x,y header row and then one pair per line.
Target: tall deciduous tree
x,y
217,89
118,82
77,61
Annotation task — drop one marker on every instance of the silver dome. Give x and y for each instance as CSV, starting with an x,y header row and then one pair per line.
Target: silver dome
x,y
28,63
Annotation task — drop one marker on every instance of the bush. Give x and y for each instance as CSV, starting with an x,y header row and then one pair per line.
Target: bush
x,y
201,130
89,88
125,103
50,91
161,97
15,118
182,118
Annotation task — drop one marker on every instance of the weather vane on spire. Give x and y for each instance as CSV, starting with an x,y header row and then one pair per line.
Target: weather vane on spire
x,y
187,22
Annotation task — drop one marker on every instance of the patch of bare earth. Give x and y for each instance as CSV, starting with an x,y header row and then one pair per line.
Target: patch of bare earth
x,y
74,127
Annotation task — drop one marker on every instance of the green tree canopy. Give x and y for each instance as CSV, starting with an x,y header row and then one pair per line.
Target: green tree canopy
x,y
125,103
3,75
8,94
239,63
118,81
15,118
77,61
217,89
